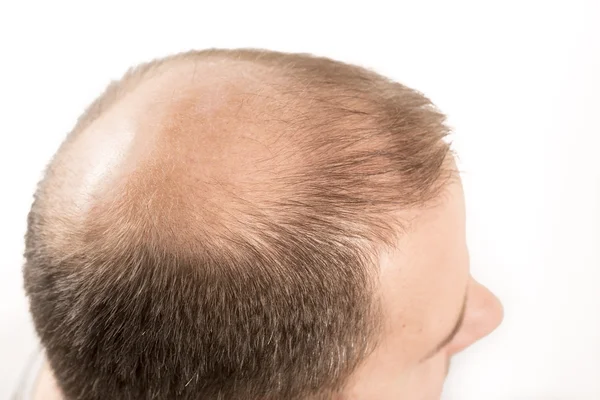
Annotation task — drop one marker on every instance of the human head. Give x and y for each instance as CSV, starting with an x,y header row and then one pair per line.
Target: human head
x,y
250,225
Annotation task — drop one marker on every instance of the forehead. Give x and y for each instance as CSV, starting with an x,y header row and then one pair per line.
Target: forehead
x,y
423,279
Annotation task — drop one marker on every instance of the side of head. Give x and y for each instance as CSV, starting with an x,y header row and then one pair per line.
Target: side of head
x,y
217,226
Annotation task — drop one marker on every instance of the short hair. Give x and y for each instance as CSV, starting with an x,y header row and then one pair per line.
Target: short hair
x,y
282,304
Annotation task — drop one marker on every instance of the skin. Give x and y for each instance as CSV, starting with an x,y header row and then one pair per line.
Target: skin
x,y
427,287
425,283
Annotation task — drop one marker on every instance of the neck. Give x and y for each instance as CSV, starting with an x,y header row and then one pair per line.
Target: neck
x,y
46,387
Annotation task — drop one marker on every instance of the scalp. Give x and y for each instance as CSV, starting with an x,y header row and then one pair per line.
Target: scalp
x,y
198,144
204,145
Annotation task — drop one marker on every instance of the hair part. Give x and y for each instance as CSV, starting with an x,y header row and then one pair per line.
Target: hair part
x,y
272,297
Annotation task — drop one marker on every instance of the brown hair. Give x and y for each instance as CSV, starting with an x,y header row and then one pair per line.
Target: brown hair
x,y
281,301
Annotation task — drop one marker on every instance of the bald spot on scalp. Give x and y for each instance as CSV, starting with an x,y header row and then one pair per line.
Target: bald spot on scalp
x,y
201,149
196,148
183,149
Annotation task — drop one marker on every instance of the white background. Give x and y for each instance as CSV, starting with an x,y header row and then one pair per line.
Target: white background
x,y
520,81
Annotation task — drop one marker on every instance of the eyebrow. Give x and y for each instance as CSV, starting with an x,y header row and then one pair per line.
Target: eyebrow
x,y
452,333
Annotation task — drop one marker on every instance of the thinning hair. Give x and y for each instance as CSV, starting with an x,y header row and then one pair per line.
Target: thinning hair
x,y
272,295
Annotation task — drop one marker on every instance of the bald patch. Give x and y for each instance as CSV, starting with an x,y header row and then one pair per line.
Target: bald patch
x,y
199,147
198,144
